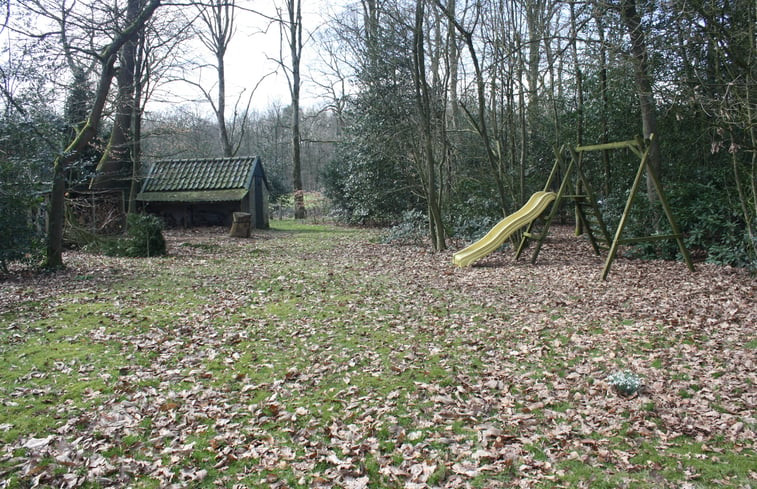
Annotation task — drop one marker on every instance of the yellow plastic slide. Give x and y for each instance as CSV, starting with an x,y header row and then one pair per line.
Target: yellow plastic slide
x,y
504,228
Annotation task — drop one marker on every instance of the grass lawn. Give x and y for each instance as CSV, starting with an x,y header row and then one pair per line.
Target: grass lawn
x,y
315,356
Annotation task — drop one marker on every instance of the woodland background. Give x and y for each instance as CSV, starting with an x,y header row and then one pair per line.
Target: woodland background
x,y
436,115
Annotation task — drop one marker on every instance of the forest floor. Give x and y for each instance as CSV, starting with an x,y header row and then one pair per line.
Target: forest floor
x,y
314,356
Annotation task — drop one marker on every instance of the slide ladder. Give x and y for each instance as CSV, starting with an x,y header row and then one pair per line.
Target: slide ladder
x,y
581,194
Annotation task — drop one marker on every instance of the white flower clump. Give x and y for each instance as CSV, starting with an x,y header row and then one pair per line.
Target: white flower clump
x,y
626,382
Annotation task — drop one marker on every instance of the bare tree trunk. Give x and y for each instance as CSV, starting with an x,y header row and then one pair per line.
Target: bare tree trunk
x,y
554,82
479,121
221,113
454,120
647,104
294,8
536,14
218,19
579,100
425,110
604,138
523,121
54,258
454,61
440,96
578,76
371,16
136,126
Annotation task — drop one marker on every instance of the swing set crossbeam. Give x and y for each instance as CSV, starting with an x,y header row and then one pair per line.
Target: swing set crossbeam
x,y
607,146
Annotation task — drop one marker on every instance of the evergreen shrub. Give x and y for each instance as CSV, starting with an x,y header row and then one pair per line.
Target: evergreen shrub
x,y
20,239
712,226
412,230
144,238
711,223
472,218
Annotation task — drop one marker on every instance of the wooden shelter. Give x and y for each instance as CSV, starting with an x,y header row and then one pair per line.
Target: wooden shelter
x,y
206,192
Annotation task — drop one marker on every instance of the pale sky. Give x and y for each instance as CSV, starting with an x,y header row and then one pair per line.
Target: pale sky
x,y
247,61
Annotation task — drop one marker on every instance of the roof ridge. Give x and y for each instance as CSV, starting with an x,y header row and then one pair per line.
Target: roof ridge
x,y
213,158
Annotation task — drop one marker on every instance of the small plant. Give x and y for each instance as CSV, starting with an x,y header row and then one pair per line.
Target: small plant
x,y
625,383
144,238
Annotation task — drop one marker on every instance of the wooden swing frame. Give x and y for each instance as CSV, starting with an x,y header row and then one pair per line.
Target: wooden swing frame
x,y
579,191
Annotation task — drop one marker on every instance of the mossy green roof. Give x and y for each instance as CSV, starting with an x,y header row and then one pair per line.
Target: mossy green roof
x,y
200,180
194,196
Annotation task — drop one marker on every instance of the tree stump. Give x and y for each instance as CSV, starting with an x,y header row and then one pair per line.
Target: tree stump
x,y
240,227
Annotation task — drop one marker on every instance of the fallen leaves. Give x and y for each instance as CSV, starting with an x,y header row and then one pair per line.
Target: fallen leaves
x,y
343,363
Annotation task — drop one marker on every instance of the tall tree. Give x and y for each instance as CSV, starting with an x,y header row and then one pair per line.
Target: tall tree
x,y
424,100
216,33
598,13
114,168
643,79
453,53
479,119
578,74
106,61
538,15
157,57
290,23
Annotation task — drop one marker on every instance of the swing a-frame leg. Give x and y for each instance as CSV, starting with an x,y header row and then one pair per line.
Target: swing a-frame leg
x,y
642,148
572,178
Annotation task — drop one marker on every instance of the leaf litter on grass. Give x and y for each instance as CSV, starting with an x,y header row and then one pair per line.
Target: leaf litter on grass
x,y
324,359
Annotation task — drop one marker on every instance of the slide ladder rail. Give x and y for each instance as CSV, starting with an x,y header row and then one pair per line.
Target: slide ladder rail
x,y
575,187
588,210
